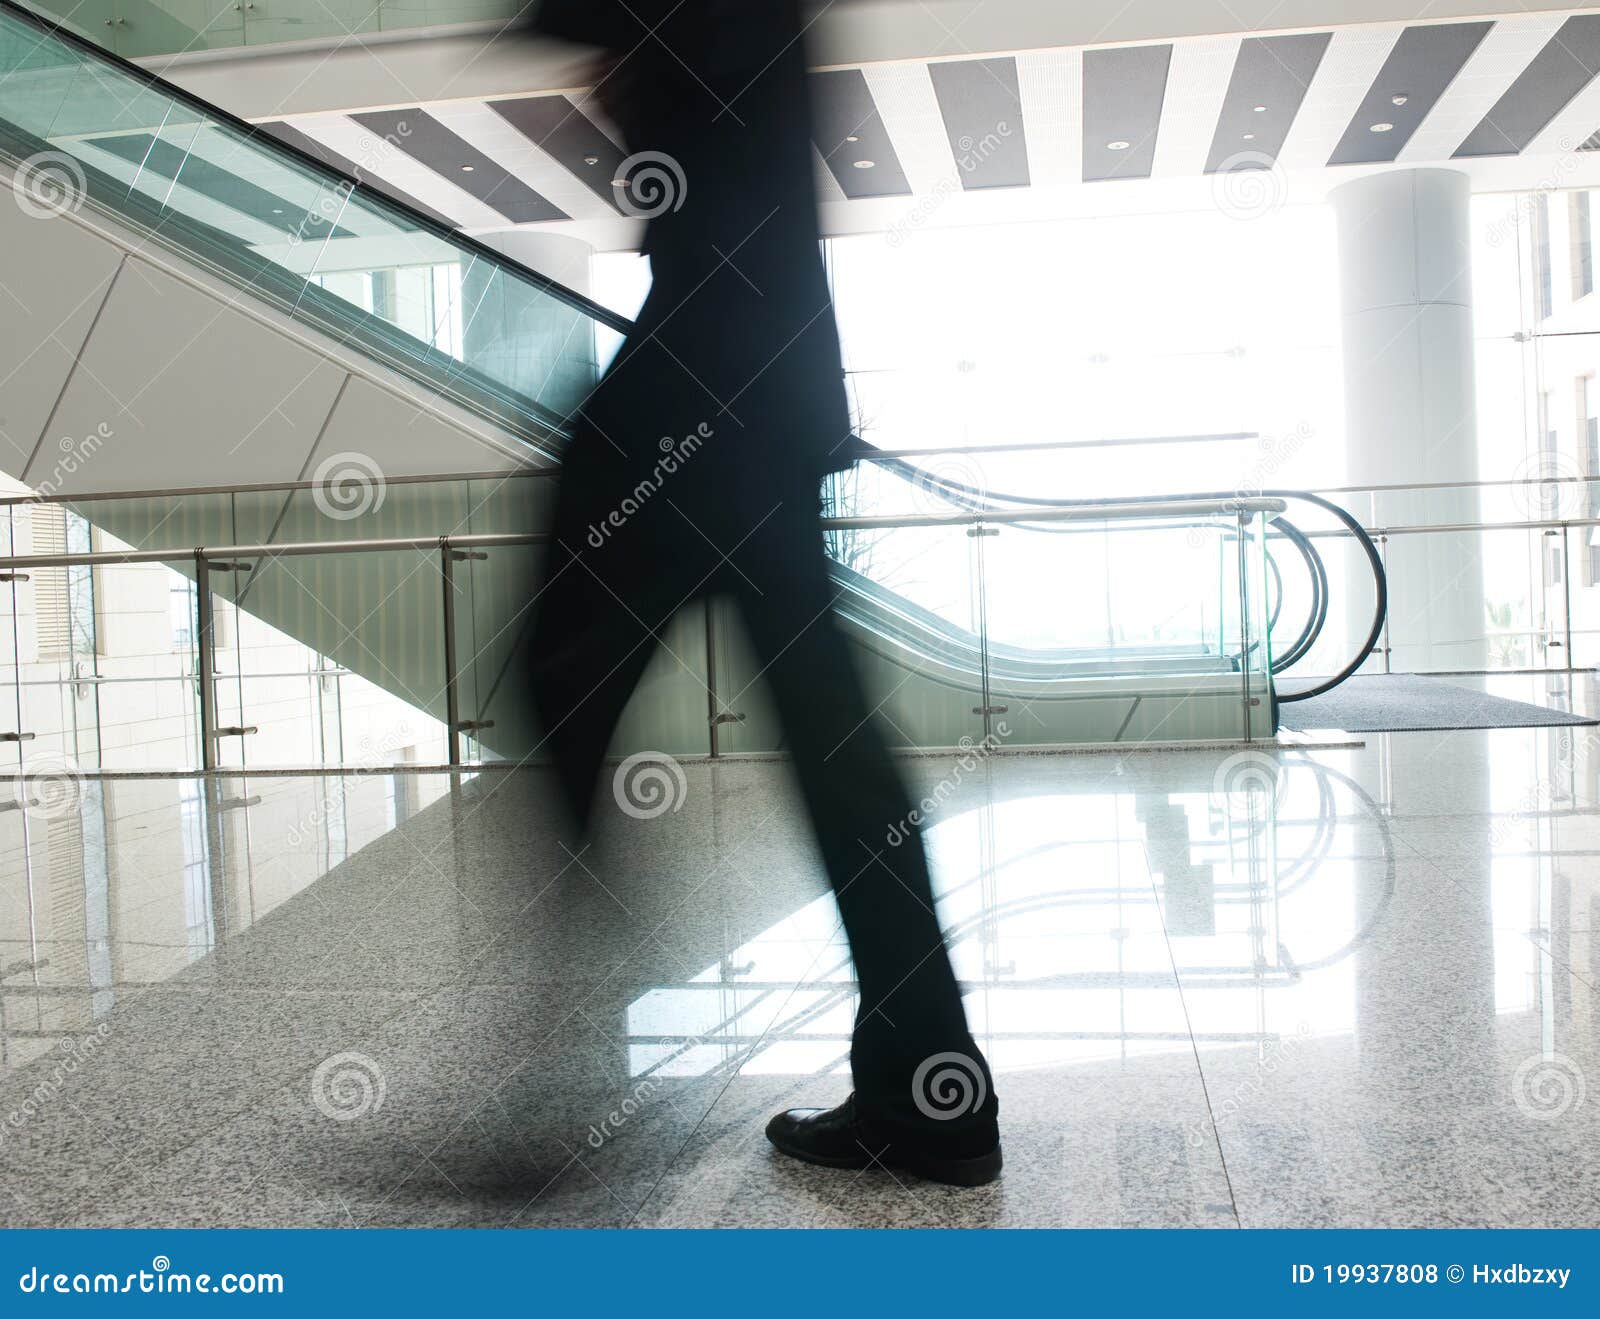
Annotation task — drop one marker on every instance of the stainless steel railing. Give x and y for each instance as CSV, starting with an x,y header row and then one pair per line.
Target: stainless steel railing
x,y
1233,515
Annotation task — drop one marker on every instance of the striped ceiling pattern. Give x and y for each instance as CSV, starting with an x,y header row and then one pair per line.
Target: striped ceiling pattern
x,y
1422,93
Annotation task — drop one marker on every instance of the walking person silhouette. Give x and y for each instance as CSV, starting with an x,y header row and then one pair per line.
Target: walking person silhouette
x,y
734,365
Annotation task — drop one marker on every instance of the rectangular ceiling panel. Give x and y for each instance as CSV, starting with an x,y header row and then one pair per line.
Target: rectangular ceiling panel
x,y
1566,65
982,110
328,156
1123,92
452,157
564,132
851,136
1269,83
1423,63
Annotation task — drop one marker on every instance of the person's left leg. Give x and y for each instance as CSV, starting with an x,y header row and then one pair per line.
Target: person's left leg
x,y
924,1095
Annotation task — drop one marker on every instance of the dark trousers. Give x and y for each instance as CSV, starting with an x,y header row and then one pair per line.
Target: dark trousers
x,y
759,541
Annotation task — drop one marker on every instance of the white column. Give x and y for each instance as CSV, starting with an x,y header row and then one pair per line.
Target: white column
x,y
1405,275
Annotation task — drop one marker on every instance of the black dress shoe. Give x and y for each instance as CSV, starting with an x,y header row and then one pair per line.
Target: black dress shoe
x,y
841,1138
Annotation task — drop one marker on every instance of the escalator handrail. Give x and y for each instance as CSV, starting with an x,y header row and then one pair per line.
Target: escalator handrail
x,y
260,137
976,500
622,324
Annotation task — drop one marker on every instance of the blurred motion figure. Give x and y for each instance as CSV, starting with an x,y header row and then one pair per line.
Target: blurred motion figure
x,y
734,364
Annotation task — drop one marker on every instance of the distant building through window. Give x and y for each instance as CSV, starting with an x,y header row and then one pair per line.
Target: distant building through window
x,y
1544,288
1581,238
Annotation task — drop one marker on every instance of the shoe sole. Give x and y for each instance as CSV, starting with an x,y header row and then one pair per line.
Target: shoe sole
x,y
979,1171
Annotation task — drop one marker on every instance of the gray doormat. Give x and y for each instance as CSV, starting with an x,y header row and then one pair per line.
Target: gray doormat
x,y
1404,702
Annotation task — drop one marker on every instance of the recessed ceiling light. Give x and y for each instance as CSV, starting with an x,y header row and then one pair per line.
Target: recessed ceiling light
x,y
1382,128
865,164
1249,137
1261,109
1118,145
1399,98
467,169
591,160
852,138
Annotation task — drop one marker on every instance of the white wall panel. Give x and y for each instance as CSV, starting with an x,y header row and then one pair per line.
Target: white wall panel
x,y
53,277
192,390
404,439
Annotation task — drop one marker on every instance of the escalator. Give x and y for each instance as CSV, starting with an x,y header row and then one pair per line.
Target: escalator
x,y
316,316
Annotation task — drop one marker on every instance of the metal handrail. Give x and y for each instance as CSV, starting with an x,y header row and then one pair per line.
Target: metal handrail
x,y
1111,511
318,167
1113,514
550,470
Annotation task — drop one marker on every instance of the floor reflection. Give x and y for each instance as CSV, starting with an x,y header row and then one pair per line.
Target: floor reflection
x,y
110,886
1073,916
1259,988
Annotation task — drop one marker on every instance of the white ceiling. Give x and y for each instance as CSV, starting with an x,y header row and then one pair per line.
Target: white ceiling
x,y
1050,82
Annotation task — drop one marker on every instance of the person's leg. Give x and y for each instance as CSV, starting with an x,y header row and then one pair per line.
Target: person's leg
x,y
917,1070
603,597
589,657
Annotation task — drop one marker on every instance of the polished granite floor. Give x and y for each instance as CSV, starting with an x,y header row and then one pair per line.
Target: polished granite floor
x,y
1337,987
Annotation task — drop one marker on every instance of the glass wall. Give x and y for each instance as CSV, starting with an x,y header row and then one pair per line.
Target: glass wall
x,y
139,28
1538,342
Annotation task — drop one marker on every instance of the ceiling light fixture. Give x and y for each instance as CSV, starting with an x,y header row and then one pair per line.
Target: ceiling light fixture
x,y
1261,109
1399,98
865,164
852,138
1249,137
1118,145
467,169
591,160
1383,128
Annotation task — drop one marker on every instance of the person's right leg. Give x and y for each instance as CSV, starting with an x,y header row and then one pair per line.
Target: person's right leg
x,y
922,1087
